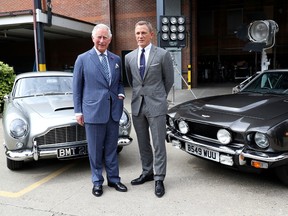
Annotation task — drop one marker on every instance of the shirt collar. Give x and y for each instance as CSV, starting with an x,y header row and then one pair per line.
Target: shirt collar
x,y
99,53
147,48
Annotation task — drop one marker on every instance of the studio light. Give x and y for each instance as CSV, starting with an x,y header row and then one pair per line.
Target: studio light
x,y
262,31
172,32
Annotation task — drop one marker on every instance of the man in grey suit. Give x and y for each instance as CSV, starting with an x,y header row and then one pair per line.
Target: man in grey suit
x,y
98,95
150,73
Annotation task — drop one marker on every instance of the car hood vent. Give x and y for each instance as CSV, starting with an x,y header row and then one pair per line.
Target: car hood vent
x,y
47,106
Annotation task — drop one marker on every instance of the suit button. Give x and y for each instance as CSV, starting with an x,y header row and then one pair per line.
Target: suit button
x,y
142,85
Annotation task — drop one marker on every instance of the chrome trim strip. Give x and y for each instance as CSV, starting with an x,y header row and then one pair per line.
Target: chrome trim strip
x,y
265,157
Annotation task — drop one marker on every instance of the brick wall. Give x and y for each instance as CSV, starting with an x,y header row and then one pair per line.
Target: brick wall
x,y
93,11
121,15
127,14
15,5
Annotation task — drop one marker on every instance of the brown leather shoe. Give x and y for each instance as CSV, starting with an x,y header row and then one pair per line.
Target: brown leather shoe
x,y
142,179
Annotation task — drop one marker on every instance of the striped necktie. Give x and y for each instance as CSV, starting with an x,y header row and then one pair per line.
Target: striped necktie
x,y
104,63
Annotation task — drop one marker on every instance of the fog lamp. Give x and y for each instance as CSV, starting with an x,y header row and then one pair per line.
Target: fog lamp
x,y
224,136
183,127
176,144
227,160
19,145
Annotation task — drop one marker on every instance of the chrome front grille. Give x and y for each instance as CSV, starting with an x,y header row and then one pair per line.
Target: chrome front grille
x,y
75,133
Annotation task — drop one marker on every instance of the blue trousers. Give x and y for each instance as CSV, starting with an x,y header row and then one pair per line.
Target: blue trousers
x,y
102,149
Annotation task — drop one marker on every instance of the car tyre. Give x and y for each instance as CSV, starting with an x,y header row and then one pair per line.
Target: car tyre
x,y
119,149
14,165
282,173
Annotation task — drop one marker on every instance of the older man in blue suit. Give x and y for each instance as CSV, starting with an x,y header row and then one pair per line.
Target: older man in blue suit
x,y
98,95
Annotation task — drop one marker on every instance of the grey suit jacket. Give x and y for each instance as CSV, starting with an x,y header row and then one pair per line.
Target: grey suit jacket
x,y
156,84
92,94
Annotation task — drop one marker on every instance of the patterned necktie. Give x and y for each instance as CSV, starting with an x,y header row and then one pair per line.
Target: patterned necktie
x,y
142,63
104,63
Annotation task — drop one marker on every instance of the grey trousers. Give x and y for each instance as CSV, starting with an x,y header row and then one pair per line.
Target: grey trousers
x,y
153,157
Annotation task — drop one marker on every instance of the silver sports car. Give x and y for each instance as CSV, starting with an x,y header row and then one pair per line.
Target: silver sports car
x,y
39,121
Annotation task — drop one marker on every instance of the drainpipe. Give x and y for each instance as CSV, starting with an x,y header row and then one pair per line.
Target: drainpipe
x,y
39,38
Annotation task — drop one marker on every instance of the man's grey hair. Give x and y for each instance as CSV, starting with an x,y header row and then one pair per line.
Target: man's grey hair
x,y
101,26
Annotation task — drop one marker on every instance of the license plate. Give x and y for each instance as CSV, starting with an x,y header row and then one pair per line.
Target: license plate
x,y
202,152
72,151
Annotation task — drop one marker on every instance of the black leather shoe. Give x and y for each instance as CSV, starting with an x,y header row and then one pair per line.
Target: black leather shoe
x,y
118,186
159,188
97,190
142,179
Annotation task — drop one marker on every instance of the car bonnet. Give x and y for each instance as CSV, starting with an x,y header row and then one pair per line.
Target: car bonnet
x,y
235,106
48,106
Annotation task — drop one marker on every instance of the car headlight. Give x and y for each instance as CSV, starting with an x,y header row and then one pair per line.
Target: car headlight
x,y
18,128
124,119
183,127
224,136
261,140
171,122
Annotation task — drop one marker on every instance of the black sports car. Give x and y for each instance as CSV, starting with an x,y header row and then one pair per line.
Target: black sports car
x,y
247,130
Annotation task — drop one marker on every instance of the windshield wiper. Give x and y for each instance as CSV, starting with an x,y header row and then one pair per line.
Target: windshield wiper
x,y
250,91
54,93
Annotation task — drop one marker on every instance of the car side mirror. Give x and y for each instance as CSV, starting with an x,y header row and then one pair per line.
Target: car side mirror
x,y
6,97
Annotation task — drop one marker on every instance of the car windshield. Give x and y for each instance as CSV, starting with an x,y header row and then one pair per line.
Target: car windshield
x,y
35,86
269,82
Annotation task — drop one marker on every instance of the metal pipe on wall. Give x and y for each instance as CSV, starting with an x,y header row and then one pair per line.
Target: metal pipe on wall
x,y
39,38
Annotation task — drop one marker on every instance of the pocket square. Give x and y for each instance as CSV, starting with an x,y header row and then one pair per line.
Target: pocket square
x,y
153,65
116,66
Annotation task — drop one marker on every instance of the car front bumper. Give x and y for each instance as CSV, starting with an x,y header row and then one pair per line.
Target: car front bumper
x,y
230,155
45,153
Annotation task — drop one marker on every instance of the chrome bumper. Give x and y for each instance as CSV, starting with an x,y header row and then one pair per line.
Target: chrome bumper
x,y
35,153
22,155
241,153
124,140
